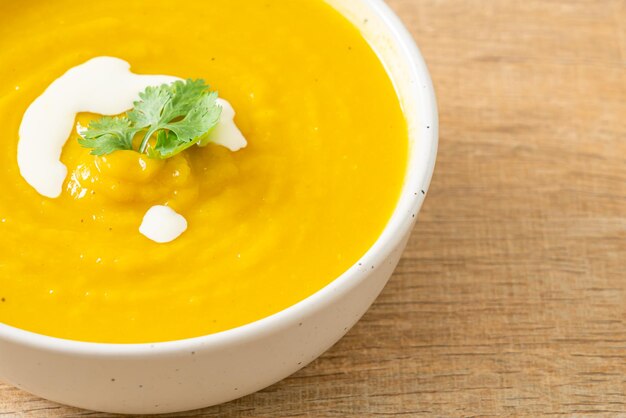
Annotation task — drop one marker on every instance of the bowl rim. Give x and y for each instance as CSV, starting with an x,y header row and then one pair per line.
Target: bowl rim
x,y
401,222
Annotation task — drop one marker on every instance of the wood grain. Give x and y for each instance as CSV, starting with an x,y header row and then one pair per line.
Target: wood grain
x,y
510,297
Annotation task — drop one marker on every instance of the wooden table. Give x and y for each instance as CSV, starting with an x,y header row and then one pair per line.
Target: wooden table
x,y
510,297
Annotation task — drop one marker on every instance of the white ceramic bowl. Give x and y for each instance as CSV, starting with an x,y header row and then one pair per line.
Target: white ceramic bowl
x,y
199,372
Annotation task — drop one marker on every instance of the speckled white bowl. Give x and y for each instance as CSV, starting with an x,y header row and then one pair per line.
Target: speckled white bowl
x,y
199,372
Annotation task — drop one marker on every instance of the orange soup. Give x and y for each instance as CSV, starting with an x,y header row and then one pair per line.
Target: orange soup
x,y
269,225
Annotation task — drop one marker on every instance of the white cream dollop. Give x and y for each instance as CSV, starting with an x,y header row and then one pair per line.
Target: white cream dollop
x,y
162,224
226,133
106,86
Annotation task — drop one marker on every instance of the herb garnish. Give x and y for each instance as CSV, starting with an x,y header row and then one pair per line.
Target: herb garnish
x,y
178,115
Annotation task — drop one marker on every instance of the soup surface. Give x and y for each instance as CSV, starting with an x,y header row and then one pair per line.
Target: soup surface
x,y
268,225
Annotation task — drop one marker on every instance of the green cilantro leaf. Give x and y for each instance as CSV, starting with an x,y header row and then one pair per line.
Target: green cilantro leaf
x,y
148,110
187,108
185,96
168,145
107,135
199,120
178,115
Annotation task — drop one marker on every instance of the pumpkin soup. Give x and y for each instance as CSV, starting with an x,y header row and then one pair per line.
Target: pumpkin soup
x,y
254,229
